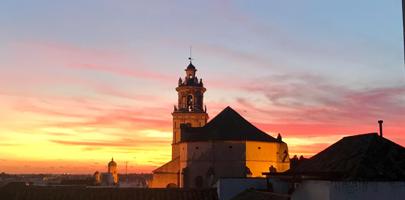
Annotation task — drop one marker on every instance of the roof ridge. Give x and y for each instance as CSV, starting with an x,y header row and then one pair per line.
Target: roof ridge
x,y
228,125
361,135
229,109
364,155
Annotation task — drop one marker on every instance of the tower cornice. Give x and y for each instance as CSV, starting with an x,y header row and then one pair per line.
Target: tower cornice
x,y
190,88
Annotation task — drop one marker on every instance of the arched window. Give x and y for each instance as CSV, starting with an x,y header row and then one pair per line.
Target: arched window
x,y
190,102
185,178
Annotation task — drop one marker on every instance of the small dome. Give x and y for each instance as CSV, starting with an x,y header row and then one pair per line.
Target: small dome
x,y
112,163
190,66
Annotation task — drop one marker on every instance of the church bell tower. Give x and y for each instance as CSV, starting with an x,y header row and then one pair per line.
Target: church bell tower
x,y
189,110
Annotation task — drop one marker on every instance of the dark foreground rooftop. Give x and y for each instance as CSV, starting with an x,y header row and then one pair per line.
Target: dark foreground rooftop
x,y
251,194
227,125
21,192
366,157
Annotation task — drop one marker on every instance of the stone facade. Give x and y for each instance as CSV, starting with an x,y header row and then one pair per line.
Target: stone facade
x,y
188,111
198,163
214,159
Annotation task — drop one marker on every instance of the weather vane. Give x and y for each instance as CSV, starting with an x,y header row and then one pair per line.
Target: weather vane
x,y
191,51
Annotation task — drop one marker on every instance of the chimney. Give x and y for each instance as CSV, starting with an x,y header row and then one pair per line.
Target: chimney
x,y
380,122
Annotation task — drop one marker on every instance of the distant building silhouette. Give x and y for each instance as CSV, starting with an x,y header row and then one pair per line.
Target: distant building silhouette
x,y
109,178
112,173
295,161
97,178
227,146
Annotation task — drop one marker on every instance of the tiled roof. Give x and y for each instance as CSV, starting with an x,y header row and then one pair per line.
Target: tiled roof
x,y
190,66
83,193
367,157
227,125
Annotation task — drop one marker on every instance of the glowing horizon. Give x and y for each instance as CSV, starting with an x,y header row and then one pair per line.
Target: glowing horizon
x,y
81,82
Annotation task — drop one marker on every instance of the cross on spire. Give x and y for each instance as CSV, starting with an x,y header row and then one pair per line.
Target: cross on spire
x,y
191,53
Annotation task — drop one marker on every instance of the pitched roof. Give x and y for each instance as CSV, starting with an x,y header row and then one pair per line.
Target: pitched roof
x,y
227,125
365,157
191,66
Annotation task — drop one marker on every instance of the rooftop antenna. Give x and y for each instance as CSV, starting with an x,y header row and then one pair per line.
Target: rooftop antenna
x,y
403,24
403,28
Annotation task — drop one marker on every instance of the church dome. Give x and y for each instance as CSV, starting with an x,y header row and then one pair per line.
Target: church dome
x,y
112,163
190,66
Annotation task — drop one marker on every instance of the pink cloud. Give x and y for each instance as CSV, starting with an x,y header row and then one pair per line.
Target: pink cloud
x,y
320,101
117,92
303,106
125,71
124,142
51,57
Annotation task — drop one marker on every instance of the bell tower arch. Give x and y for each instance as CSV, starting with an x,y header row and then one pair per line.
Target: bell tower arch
x,y
190,107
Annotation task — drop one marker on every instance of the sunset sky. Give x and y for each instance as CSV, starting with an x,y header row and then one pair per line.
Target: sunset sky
x,y
84,81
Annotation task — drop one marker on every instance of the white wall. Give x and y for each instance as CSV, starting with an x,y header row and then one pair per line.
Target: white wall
x,y
345,190
367,190
308,190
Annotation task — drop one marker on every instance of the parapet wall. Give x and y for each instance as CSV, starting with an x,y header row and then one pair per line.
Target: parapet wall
x,y
102,193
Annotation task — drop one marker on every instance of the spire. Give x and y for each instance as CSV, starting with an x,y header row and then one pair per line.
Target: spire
x,y
191,54
190,70
190,58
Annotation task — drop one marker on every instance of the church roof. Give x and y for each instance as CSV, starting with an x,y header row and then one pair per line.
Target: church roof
x,y
365,157
112,162
190,66
227,125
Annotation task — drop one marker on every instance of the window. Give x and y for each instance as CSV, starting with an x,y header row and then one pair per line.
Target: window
x,y
190,102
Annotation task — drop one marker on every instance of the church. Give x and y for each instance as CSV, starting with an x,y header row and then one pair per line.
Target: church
x,y
107,179
227,146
